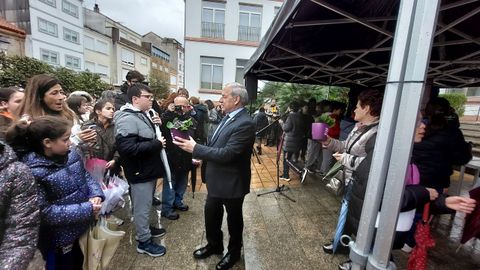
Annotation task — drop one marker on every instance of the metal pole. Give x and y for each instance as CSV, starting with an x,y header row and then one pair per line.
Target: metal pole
x,y
417,58
361,248
398,114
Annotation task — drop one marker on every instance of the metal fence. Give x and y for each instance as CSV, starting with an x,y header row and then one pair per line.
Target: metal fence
x,y
247,33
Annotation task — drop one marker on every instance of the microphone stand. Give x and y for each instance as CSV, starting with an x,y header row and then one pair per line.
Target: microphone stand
x,y
279,188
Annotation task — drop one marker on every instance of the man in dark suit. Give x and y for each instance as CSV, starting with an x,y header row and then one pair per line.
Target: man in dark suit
x,y
227,174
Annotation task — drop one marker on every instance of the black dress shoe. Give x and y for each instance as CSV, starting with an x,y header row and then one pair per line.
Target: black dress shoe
x,y
227,262
206,251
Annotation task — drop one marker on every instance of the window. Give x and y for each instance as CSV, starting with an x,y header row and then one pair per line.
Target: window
x,y
101,47
89,43
52,3
70,35
124,73
154,65
213,19
102,70
143,61
48,56
90,66
166,69
211,72
173,80
160,54
47,27
180,67
128,57
70,8
72,62
250,23
241,63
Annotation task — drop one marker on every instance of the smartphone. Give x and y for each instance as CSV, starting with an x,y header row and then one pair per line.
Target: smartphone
x,y
89,127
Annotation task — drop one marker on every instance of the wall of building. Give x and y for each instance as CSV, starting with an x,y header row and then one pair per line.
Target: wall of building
x,y
229,48
96,57
39,40
12,43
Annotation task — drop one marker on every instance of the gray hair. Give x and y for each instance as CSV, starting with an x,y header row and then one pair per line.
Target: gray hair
x,y
238,90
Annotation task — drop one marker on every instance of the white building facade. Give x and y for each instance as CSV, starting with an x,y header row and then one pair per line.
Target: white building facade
x,y
56,33
220,37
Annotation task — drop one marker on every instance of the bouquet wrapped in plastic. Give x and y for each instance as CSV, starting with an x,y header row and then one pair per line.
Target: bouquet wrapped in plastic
x,y
113,188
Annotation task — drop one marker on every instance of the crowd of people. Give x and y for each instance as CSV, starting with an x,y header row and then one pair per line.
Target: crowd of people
x,y
49,200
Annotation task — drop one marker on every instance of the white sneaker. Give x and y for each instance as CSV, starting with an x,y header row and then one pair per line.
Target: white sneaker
x,y
407,249
285,179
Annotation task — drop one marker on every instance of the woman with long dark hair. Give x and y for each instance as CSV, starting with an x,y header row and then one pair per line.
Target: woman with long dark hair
x,y
44,95
101,120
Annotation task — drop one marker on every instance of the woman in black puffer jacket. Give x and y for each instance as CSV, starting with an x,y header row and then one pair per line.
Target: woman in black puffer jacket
x,y
442,147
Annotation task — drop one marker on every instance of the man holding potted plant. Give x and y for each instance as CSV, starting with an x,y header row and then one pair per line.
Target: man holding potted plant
x,y
180,123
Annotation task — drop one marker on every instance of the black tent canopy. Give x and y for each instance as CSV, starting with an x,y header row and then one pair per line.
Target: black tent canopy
x,y
348,43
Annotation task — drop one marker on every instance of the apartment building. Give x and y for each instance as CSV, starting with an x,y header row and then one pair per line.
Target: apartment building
x,y
220,37
54,29
12,39
113,49
163,65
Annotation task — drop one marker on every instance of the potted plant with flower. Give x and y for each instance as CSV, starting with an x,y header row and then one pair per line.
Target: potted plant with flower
x,y
179,128
321,125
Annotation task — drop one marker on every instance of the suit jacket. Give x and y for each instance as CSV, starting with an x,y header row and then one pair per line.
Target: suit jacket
x,y
227,158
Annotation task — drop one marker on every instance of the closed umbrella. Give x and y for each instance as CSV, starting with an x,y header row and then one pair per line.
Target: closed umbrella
x,y
342,217
472,220
163,153
424,241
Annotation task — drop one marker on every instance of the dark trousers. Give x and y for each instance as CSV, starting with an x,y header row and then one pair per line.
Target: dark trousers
x,y
68,259
213,223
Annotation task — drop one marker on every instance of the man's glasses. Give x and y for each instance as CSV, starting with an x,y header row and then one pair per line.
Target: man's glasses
x,y
150,97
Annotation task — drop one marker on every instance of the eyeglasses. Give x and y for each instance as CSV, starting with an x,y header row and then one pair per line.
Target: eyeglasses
x,y
150,97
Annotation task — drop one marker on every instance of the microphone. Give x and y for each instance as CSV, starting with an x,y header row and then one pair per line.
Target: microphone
x,y
152,113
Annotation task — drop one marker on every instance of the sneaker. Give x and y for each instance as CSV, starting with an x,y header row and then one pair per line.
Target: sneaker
x,y
182,207
346,265
156,201
285,179
151,248
407,249
157,232
172,215
328,248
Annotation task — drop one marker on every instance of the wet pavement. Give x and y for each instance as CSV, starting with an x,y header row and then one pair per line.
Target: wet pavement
x,y
279,233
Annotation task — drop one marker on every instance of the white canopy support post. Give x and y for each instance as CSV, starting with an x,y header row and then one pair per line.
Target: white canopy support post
x,y
408,64
416,64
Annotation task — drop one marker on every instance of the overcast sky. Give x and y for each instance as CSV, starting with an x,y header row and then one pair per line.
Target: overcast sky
x,y
163,17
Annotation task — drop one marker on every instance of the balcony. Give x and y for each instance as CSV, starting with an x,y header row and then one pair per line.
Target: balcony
x,y
213,30
247,33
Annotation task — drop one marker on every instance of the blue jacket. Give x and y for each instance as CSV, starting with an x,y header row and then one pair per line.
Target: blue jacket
x,y
64,190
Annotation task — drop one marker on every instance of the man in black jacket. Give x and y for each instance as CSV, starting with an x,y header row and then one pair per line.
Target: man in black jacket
x,y
226,158
139,150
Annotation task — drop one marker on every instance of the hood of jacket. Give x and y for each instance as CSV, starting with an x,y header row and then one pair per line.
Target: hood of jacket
x,y
7,155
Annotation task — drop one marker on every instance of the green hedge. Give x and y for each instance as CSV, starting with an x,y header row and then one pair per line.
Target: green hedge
x,y
457,101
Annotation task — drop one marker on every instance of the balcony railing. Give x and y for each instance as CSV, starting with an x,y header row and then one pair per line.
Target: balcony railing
x,y
247,33
213,30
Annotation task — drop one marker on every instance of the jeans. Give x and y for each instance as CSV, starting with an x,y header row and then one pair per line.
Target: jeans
x,y
286,168
174,197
